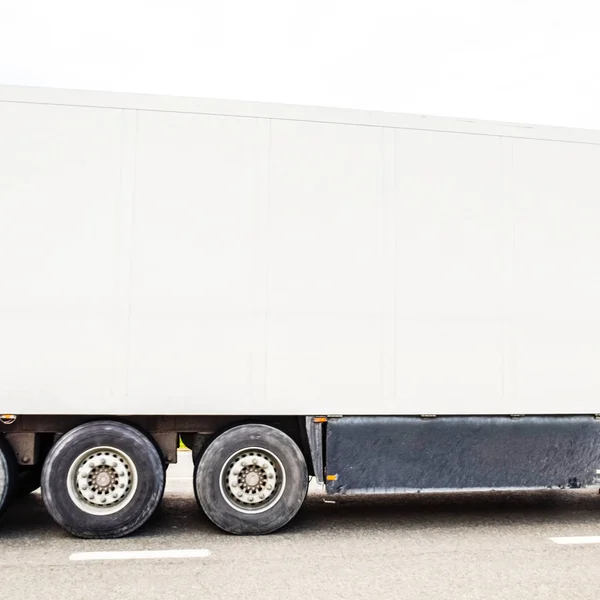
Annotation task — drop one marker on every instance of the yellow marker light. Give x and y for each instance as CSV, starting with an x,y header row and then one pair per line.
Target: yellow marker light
x,y
331,477
8,419
320,420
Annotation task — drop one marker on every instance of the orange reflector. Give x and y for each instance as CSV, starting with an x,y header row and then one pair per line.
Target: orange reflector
x,y
8,419
320,420
331,477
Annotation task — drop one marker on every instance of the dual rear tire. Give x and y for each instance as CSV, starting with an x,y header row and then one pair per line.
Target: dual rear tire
x,y
105,479
252,479
9,474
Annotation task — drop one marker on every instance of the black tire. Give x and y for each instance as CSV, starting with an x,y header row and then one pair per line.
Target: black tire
x,y
216,502
9,474
65,505
29,480
195,446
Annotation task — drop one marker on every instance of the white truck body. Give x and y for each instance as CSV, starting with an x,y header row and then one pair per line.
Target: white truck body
x,y
175,256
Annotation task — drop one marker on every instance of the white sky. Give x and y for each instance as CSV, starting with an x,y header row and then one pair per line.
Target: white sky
x,y
533,61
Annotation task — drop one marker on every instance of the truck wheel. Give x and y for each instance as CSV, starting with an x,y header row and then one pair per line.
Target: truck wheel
x,y
252,479
103,480
8,474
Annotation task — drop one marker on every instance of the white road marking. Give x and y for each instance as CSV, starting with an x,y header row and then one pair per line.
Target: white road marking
x,y
140,554
583,539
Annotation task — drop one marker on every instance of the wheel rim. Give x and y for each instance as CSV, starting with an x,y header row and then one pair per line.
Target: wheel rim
x,y
252,480
102,480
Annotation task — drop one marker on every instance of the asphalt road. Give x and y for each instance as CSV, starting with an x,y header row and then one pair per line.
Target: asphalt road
x,y
448,546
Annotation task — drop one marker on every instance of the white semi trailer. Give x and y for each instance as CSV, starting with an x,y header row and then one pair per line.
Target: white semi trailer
x,y
388,303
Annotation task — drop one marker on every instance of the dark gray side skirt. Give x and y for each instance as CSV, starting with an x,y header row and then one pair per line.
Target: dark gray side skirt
x,y
408,454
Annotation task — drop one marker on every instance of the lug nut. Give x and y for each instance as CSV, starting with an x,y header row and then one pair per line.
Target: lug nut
x,y
269,487
84,487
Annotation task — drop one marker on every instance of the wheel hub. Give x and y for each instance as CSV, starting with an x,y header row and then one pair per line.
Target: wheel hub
x,y
102,480
252,480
